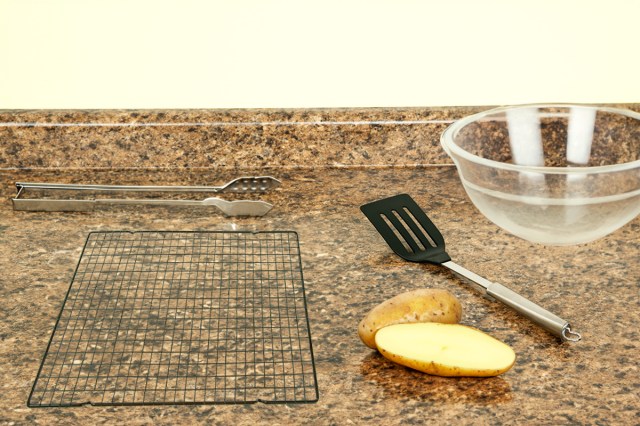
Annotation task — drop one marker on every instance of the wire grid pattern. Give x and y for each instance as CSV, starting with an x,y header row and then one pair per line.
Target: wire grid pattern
x,y
181,317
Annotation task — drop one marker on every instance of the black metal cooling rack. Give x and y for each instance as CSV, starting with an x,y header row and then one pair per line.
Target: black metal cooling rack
x,y
181,318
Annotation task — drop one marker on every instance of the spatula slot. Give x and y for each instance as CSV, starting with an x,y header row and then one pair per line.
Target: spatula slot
x,y
404,232
423,232
405,225
397,234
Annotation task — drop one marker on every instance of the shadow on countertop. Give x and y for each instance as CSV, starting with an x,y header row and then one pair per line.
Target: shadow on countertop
x,y
401,383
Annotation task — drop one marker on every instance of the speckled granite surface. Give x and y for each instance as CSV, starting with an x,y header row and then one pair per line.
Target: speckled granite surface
x,y
224,139
348,269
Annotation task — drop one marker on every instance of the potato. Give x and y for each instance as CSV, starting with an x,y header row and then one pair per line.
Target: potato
x,y
445,349
423,305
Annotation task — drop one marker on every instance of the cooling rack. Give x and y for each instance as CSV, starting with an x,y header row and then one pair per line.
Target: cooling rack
x,y
181,318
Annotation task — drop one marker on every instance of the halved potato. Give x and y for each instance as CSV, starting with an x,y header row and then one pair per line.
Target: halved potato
x,y
445,349
422,305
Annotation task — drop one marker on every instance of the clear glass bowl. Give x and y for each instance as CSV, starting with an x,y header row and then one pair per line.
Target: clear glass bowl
x,y
551,174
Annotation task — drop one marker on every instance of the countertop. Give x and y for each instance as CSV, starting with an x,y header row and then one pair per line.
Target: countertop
x,y
348,269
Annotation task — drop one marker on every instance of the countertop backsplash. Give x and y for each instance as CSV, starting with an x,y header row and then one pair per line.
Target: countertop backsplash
x,y
224,138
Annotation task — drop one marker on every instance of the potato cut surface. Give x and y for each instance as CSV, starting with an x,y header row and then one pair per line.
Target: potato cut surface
x,y
445,349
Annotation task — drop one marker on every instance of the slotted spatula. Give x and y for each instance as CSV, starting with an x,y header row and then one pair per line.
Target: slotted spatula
x,y
412,236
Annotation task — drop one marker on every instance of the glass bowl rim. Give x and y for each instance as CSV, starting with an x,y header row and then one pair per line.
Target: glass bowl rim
x,y
446,140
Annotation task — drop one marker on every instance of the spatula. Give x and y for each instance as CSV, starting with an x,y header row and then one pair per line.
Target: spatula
x,y
412,236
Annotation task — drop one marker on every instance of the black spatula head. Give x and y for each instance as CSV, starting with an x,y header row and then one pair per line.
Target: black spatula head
x,y
407,229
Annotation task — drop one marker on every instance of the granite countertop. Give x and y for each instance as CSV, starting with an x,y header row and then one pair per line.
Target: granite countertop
x,y
348,269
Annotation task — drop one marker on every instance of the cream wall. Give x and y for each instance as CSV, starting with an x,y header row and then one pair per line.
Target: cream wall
x,y
329,53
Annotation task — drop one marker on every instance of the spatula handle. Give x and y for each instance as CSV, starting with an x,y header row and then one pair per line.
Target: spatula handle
x,y
550,322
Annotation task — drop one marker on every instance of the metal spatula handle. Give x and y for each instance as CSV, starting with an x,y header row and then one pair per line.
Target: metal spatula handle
x,y
553,323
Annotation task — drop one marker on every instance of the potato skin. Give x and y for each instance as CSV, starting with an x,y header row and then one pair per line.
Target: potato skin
x,y
422,305
442,370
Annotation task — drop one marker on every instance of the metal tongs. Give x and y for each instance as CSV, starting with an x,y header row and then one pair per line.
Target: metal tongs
x,y
243,185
